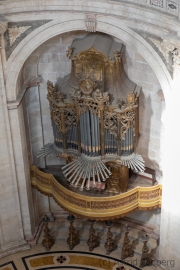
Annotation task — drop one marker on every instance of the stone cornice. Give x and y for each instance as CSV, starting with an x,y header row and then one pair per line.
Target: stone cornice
x,y
130,9
152,5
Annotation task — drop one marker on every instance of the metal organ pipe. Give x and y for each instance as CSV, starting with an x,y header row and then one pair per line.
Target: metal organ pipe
x,y
82,133
92,134
88,132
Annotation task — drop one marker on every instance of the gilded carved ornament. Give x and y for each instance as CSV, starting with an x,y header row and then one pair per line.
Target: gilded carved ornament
x,y
54,93
127,117
110,122
142,198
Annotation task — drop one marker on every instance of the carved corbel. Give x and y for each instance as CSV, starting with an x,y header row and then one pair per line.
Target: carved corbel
x,y
90,20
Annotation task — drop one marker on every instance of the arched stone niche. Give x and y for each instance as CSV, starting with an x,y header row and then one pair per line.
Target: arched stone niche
x,y
50,62
71,21
32,43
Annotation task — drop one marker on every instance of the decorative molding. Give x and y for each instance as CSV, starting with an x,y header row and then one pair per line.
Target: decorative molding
x,y
33,240
17,31
158,3
170,50
172,6
98,208
160,45
15,103
164,47
90,20
20,247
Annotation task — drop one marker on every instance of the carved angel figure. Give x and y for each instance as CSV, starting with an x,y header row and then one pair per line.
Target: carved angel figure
x,y
75,93
69,52
106,97
130,101
97,95
117,56
121,103
101,97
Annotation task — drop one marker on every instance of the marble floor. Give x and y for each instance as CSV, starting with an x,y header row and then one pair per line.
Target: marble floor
x,y
60,257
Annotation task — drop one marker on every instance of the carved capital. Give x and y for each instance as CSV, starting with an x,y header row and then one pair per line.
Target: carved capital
x,y
90,20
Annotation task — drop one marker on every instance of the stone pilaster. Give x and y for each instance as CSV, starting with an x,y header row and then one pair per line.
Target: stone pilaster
x,y
11,225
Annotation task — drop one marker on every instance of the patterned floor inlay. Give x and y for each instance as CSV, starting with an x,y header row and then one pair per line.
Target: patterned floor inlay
x,y
75,260
8,266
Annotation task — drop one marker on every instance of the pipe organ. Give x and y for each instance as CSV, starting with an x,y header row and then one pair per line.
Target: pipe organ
x,y
95,116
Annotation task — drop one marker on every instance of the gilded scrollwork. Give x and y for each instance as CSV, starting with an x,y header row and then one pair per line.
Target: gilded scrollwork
x,y
56,115
63,115
54,93
69,118
127,116
88,104
50,88
100,97
111,123
127,120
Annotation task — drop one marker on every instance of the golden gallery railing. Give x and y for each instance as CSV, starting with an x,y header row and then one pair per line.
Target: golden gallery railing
x,y
98,208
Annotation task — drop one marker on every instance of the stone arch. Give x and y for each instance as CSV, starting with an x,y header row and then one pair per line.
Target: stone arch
x,y
53,28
